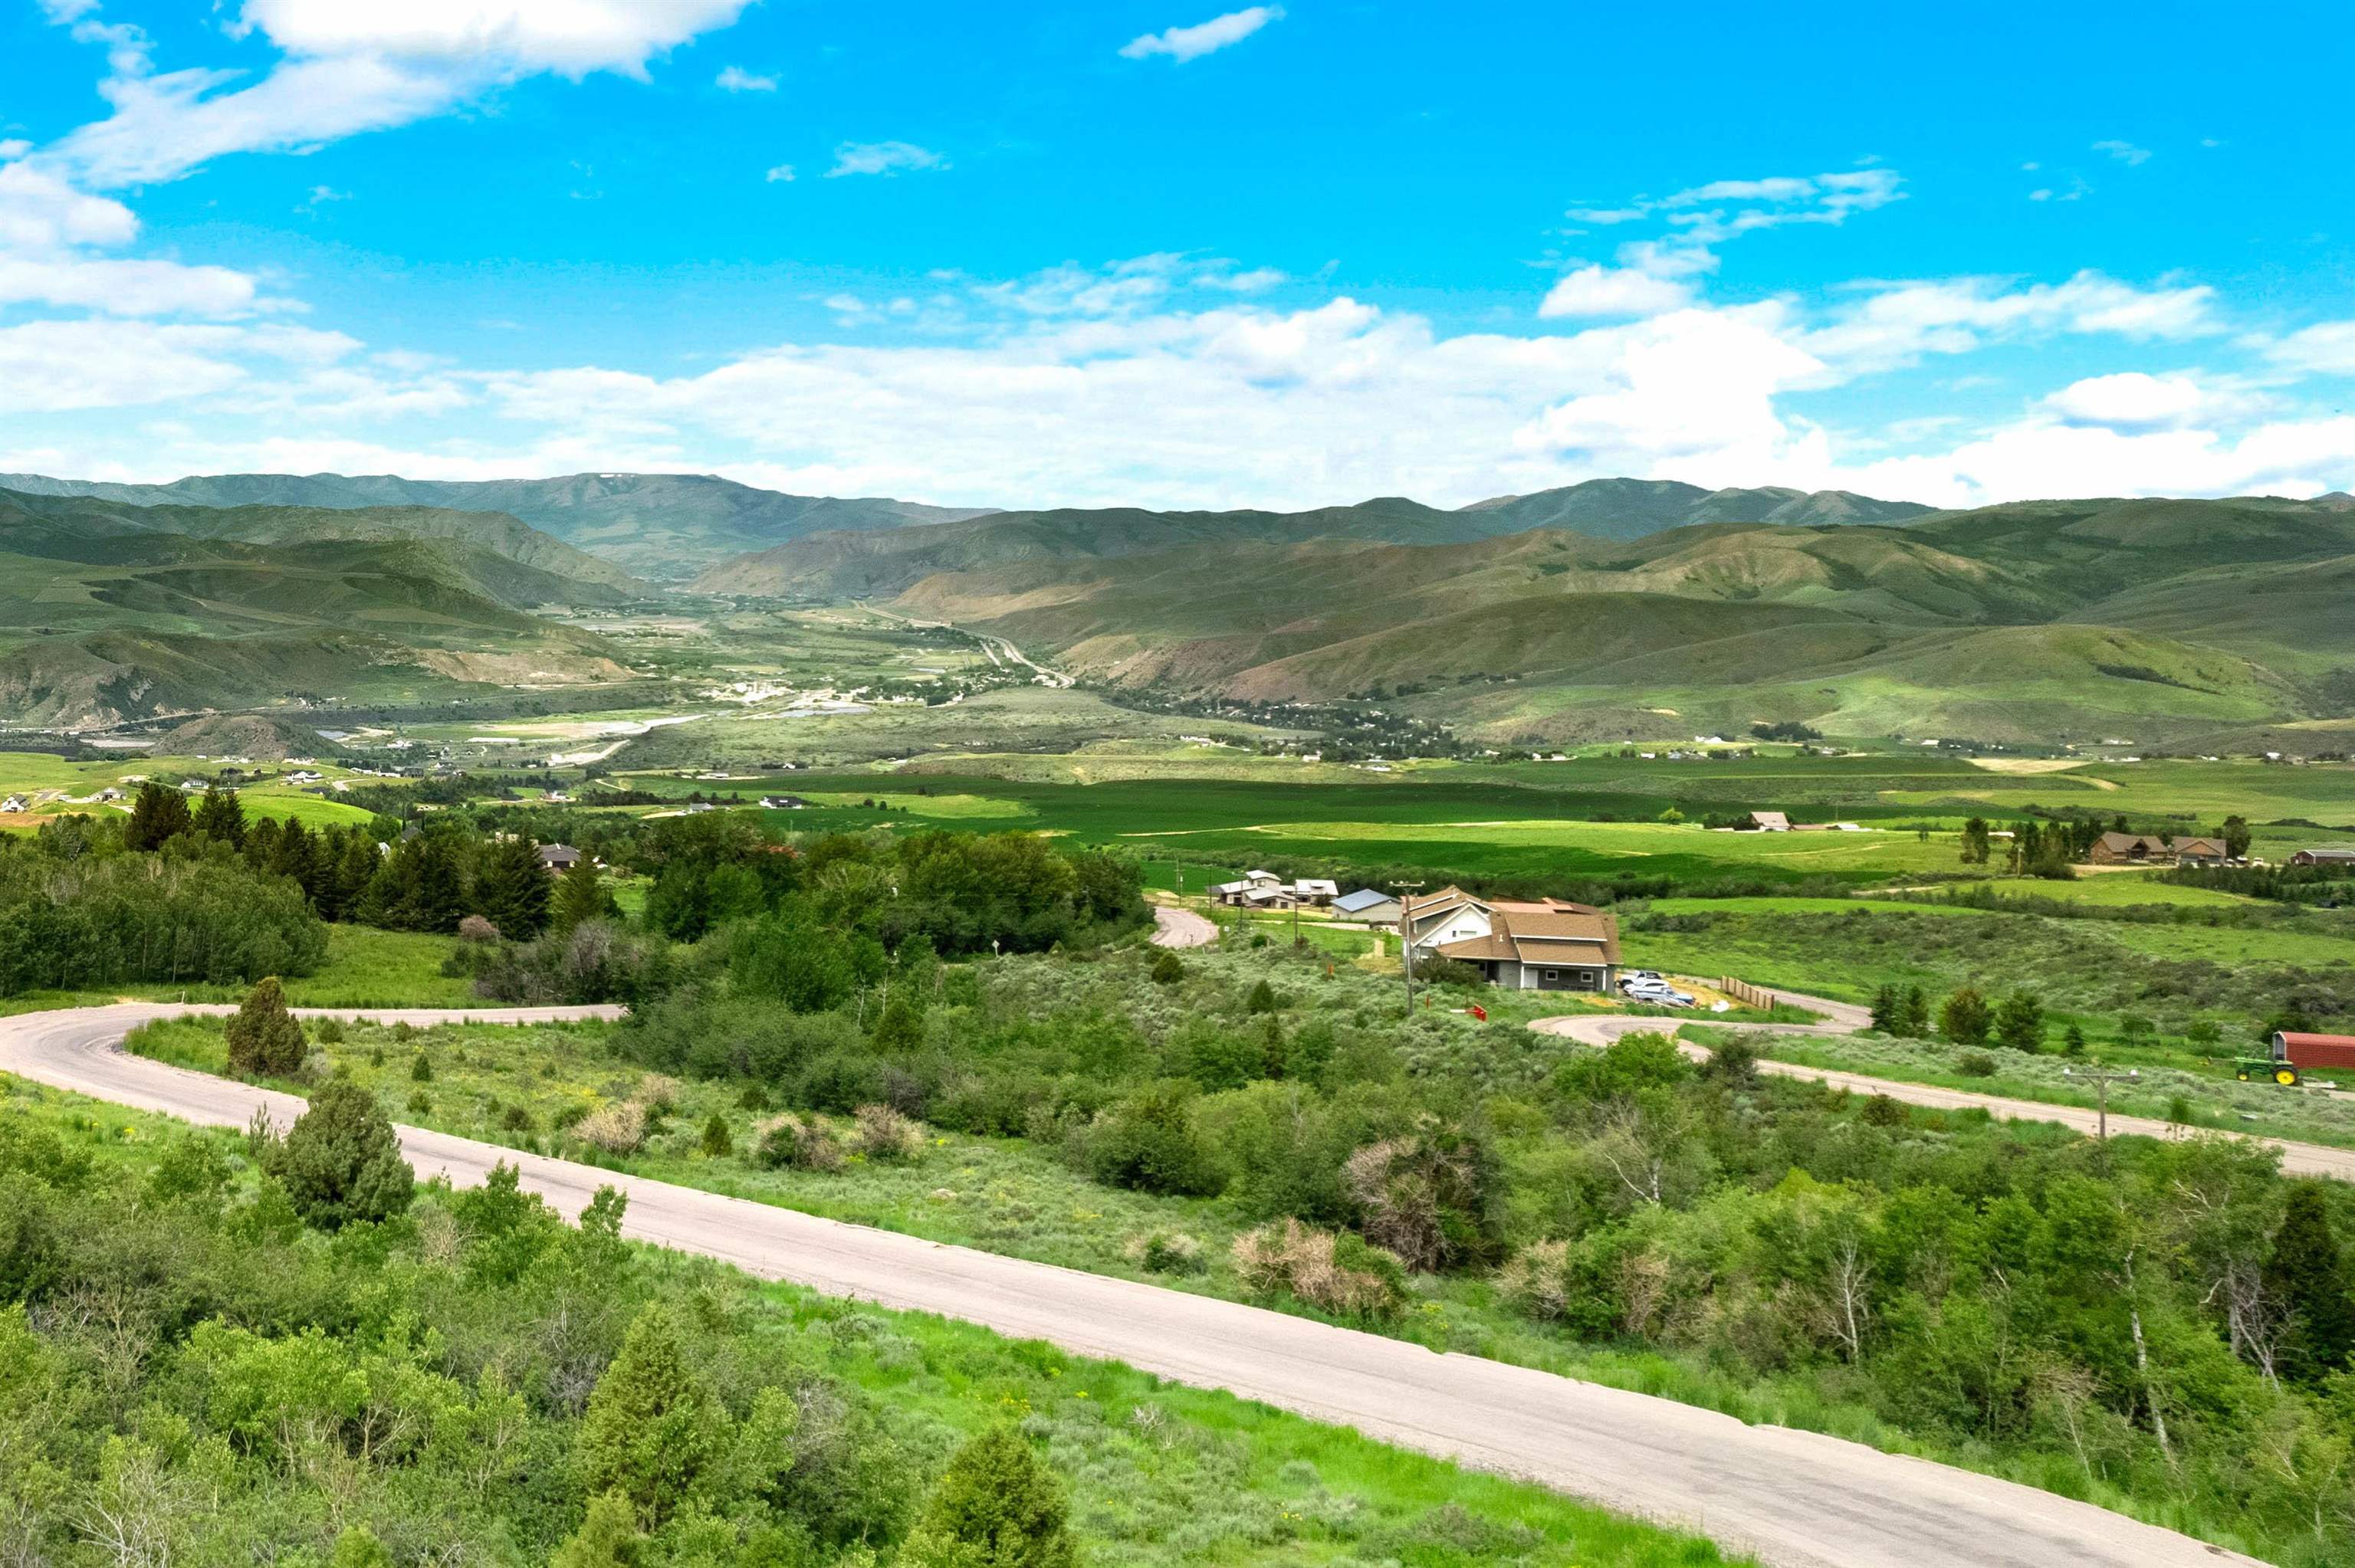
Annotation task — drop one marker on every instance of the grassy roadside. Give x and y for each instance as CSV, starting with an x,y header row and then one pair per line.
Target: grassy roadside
x,y
1159,1473
1014,1198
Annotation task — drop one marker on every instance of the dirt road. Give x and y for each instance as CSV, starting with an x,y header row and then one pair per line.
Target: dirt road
x,y
1794,1499
1174,928
1847,1018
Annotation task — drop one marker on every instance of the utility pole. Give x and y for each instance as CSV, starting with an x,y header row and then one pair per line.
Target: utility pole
x,y
2102,1079
1406,937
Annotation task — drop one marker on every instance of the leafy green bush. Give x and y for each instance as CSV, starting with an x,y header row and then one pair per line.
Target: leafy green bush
x,y
340,1162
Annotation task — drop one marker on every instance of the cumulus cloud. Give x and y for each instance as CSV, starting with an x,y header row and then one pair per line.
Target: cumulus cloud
x,y
2136,400
735,79
2326,348
1595,290
349,68
1183,44
780,174
2125,153
882,158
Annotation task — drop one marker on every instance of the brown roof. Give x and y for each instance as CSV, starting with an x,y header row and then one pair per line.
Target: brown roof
x,y
2199,846
2124,843
1559,933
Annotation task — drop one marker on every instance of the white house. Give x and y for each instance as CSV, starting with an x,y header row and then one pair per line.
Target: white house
x,y
1266,890
1548,944
1369,906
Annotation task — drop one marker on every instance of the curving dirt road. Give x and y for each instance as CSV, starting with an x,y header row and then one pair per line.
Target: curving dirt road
x,y
1176,927
1794,1499
1847,1018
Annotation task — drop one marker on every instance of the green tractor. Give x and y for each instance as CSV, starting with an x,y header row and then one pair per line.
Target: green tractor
x,y
2296,1052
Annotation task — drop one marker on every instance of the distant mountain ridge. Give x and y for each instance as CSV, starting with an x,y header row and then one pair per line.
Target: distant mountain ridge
x,y
822,564
662,526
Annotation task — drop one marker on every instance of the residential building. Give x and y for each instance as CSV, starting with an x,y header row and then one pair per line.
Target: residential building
x,y
559,858
2325,854
1547,944
1770,821
1266,890
2201,851
1369,906
784,802
2129,849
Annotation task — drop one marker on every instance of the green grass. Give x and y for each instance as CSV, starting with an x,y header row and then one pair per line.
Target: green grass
x,y
1159,1473
1011,1197
364,967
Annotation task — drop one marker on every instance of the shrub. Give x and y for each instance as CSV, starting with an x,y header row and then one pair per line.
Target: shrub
x,y
474,929
264,1040
753,1098
515,1118
420,1070
1423,1198
997,1506
1165,1252
1168,969
1733,1063
1261,999
1963,1017
1148,1141
1337,1274
420,1103
658,1094
341,1161
884,1135
1975,1065
1449,971
1533,1281
804,1143
619,1127
1880,1110
716,1141
328,1031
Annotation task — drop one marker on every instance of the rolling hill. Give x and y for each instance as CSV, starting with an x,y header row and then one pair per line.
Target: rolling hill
x,y
106,616
834,564
2149,620
663,526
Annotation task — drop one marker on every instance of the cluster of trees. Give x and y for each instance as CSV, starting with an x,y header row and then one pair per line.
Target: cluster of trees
x,y
2045,850
1967,1017
307,1360
76,912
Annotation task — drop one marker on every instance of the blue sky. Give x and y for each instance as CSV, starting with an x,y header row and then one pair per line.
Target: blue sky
x,y
1169,256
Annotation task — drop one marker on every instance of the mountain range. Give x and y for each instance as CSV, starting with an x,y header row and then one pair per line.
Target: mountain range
x,y
662,526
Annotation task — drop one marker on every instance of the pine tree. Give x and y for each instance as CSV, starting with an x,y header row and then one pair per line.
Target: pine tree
x,y
716,1141
341,1160
607,1537
580,895
901,1029
2072,1041
653,1428
996,1507
1916,1021
264,1040
158,814
511,887
1974,841
1888,1012
2019,1022
2306,1274
1963,1017
221,817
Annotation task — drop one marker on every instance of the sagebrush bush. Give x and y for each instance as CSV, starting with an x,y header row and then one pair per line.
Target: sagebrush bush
x,y
1531,1280
1340,1274
1165,1252
799,1142
882,1134
618,1127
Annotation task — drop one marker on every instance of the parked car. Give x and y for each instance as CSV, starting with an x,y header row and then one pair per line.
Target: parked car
x,y
1643,975
1655,992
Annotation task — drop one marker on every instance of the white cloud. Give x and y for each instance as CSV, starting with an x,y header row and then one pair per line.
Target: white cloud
x,y
2125,153
1597,290
39,211
1603,216
2136,400
882,158
2326,348
126,288
735,79
780,174
1183,44
51,366
1895,323
355,67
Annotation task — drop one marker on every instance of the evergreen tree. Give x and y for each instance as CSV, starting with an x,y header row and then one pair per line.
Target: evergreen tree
x,y
1963,1017
2304,1273
341,1160
1916,1013
901,1029
2072,1041
716,1141
1974,841
580,895
1888,1012
1167,968
2019,1022
511,887
159,813
653,1428
264,1040
607,1537
996,1507
221,817
297,857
